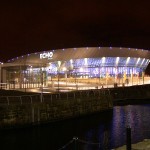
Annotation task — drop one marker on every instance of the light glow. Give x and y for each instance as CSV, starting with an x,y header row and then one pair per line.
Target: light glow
x,y
128,59
117,60
137,61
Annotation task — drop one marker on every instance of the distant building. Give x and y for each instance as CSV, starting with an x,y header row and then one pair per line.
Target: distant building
x,y
86,63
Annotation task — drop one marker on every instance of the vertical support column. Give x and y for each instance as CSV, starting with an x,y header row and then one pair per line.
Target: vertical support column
x,y
124,78
132,77
3,75
20,83
143,74
99,75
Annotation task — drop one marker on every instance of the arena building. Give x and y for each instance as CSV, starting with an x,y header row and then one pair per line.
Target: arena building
x,y
90,65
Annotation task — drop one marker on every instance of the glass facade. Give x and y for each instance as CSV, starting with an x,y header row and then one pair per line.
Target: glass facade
x,y
98,65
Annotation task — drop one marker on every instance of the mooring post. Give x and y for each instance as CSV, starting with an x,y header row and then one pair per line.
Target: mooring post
x,y
128,138
75,142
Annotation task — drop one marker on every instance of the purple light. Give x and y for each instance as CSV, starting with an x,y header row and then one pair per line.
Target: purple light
x,y
110,47
99,47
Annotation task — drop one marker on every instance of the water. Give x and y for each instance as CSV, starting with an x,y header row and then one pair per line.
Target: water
x,y
105,130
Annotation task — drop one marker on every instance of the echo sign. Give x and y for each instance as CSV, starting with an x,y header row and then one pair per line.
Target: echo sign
x,y
47,55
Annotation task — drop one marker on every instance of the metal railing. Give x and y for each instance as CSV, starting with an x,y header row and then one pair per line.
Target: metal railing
x,y
49,98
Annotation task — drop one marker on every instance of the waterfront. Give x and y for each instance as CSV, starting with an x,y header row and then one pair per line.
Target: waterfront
x,y
101,131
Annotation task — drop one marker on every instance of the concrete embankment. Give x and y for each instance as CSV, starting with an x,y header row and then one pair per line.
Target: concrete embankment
x,y
131,95
18,111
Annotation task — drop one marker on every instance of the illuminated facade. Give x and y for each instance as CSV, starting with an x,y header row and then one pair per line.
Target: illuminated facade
x,y
80,63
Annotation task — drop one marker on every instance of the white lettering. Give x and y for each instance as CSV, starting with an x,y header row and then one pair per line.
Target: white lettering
x,y
47,55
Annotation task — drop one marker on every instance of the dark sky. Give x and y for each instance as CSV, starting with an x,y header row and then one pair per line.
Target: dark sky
x,y
31,26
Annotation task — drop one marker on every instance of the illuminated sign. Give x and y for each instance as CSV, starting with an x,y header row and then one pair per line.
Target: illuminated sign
x,y
47,55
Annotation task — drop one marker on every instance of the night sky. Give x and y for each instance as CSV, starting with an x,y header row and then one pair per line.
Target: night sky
x,y
32,26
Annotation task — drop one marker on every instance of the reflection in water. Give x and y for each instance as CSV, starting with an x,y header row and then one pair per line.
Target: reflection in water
x,y
101,131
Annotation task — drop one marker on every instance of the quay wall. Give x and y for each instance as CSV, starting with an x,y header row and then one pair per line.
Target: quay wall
x,y
23,109
31,110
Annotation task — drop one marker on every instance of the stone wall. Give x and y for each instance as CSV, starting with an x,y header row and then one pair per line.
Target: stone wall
x,y
53,108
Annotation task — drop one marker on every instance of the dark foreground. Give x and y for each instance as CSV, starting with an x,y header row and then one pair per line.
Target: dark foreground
x,y
105,130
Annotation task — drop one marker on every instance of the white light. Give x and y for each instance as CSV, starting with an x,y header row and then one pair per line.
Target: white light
x,y
128,59
117,60
103,60
81,69
142,61
31,69
86,61
138,61
59,63
71,61
64,68
147,61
